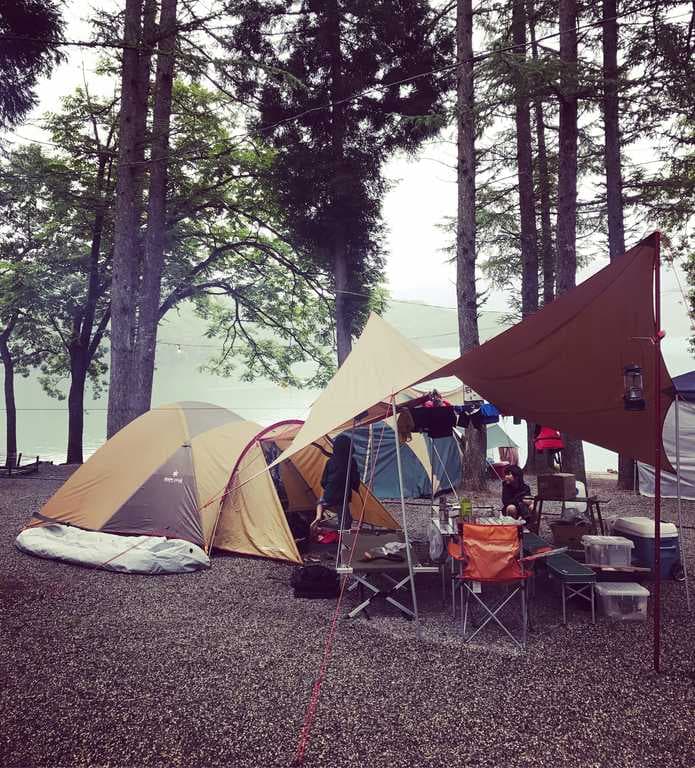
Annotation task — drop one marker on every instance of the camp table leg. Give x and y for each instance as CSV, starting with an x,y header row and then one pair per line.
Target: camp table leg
x,y
564,609
593,610
396,585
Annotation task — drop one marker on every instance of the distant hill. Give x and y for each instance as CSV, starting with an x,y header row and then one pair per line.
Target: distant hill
x,y
182,349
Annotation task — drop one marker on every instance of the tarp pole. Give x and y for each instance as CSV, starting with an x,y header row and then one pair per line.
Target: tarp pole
x,y
657,456
405,521
681,530
348,490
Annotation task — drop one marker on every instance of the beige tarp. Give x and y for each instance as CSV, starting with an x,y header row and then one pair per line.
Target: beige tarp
x,y
381,364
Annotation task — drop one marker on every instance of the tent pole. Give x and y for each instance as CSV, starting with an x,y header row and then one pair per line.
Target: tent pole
x,y
657,456
430,446
348,490
405,521
681,533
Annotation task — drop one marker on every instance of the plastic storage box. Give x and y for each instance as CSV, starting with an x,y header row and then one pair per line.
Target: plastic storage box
x,y
622,600
607,550
641,531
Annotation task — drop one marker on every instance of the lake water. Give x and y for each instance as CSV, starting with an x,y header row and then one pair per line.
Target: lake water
x,y
181,352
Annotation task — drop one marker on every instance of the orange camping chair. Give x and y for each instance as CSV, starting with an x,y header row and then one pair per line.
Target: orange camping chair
x,y
491,554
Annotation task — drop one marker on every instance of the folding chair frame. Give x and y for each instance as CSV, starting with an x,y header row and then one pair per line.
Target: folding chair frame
x,y
492,614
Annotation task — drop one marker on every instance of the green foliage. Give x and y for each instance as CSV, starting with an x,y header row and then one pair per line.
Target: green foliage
x,y
340,86
29,31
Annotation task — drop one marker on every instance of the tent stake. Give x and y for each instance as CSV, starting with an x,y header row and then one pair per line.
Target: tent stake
x,y
405,521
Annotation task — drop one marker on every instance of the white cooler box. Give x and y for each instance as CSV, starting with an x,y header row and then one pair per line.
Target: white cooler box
x,y
622,600
607,550
641,531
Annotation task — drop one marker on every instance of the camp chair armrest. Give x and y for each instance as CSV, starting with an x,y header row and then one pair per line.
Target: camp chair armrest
x,y
540,555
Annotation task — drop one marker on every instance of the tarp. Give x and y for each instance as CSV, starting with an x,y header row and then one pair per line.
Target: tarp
x,y
563,366
381,364
684,385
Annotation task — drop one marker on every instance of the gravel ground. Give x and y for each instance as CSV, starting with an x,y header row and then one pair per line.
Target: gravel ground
x,y
216,669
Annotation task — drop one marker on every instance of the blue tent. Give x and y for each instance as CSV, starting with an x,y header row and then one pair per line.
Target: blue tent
x,y
422,459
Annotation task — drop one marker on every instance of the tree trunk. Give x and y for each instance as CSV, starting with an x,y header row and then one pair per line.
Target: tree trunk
x,y
474,466
341,276
126,225
127,252
155,237
524,159
573,455
614,177
547,252
10,406
78,375
343,323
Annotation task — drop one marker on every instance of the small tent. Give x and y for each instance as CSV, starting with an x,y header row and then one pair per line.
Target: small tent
x,y
425,462
679,442
178,481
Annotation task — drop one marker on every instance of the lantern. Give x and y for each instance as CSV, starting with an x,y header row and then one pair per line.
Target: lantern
x,y
634,392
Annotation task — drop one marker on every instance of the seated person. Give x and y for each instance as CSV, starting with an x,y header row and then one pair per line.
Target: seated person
x,y
333,483
516,495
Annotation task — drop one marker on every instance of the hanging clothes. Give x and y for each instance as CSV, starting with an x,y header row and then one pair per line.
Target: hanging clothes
x,y
406,425
436,421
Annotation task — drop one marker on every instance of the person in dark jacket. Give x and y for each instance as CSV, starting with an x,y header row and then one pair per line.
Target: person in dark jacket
x,y
516,495
333,481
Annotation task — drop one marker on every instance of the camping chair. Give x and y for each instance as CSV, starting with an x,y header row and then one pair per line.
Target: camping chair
x,y
491,554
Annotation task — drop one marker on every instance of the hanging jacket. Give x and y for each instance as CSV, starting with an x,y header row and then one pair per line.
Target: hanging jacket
x,y
335,471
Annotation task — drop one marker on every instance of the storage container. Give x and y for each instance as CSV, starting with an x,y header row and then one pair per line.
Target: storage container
x,y
559,486
622,600
607,550
641,531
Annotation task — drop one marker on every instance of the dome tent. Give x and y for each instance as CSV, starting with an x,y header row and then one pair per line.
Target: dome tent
x,y
177,481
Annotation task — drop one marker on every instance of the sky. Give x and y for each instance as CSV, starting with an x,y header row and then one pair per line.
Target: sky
x,y
422,196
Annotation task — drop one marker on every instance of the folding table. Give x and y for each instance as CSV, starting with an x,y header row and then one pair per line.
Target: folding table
x,y
364,574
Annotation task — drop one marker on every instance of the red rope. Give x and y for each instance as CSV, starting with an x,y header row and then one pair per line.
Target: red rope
x,y
310,714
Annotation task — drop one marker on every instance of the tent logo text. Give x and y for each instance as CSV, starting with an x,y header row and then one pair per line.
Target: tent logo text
x,y
174,478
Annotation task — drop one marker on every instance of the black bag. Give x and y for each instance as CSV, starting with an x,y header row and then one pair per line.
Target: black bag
x,y
315,581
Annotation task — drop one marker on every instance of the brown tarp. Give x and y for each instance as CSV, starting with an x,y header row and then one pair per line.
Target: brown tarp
x,y
563,366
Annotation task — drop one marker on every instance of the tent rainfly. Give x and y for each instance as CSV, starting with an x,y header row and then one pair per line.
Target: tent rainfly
x,y
176,482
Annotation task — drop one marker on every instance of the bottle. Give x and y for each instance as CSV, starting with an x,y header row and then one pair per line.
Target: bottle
x,y
466,507
443,511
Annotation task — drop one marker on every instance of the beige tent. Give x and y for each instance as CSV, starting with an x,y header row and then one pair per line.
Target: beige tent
x,y
194,472
242,529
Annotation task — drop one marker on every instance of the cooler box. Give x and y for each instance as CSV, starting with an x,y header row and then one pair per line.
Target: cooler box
x,y
622,600
641,530
607,550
